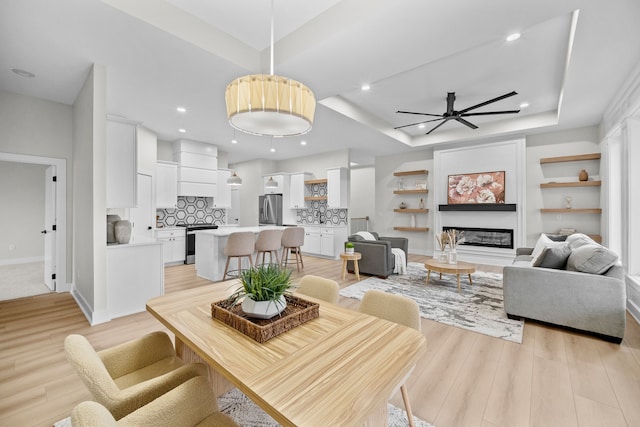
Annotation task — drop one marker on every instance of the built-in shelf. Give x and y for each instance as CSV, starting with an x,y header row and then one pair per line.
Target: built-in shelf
x,y
571,184
408,210
576,158
312,198
411,228
316,181
572,210
595,237
478,207
422,191
407,173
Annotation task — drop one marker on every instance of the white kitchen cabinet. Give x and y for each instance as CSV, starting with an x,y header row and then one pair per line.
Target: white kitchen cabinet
x,y
222,199
166,185
298,190
122,166
197,171
173,244
311,240
337,188
324,241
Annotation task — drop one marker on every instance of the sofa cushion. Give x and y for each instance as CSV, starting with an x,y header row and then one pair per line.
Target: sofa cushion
x,y
553,257
591,258
543,242
578,239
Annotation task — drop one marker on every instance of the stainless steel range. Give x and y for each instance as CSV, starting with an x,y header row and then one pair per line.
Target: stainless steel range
x,y
190,242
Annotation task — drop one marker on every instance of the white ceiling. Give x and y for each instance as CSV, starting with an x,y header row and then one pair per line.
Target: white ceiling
x,y
572,58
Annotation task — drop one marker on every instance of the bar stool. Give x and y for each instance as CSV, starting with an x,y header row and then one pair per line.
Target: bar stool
x,y
292,240
239,245
269,241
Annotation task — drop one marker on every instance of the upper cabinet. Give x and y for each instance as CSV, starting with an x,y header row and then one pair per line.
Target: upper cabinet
x,y
166,185
122,164
298,190
282,186
197,171
337,188
222,199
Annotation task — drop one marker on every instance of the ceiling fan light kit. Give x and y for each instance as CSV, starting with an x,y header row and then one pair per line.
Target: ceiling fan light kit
x,y
452,114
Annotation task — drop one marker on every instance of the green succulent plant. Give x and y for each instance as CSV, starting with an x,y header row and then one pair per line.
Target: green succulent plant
x,y
349,245
263,283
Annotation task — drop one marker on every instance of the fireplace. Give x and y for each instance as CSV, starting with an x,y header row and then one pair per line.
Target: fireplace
x,y
487,237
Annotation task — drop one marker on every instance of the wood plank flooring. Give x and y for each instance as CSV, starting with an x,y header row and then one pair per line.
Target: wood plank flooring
x,y
554,378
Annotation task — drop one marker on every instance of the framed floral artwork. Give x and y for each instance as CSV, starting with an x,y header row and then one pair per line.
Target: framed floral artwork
x,y
484,187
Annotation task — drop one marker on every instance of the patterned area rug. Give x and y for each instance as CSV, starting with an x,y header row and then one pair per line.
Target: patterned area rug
x,y
478,308
247,414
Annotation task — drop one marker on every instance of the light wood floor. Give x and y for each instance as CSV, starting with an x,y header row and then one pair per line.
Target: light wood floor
x,y
555,378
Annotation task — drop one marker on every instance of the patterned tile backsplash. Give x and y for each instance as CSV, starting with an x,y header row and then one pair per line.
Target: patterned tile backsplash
x,y
318,213
191,210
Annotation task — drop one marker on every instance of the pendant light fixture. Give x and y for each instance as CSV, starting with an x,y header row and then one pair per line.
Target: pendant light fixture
x,y
271,183
270,105
234,180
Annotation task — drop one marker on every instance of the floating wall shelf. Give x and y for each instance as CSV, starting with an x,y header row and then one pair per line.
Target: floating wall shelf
x,y
572,210
408,210
411,228
408,173
571,184
312,198
578,157
316,181
424,191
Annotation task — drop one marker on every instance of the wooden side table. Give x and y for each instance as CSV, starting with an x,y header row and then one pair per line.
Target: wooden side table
x,y
350,257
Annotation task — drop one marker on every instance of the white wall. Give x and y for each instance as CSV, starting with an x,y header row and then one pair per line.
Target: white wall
x,y
363,193
22,214
36,127
316,164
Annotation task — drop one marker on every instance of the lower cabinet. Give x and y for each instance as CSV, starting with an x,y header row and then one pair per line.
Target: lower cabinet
x,y
324,241
173,245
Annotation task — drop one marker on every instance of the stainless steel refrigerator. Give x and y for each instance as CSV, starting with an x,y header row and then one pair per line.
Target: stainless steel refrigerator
x,y
270,209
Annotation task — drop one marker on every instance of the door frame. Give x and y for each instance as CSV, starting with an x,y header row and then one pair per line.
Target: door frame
x,y
61,284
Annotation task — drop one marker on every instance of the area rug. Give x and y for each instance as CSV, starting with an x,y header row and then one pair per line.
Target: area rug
x,y
477,308
247,414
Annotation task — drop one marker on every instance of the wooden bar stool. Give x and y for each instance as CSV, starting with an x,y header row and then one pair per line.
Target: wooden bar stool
x,y
239,245
292,240
269,241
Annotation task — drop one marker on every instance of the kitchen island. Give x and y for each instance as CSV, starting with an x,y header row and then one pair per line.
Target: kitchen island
x,y
210,257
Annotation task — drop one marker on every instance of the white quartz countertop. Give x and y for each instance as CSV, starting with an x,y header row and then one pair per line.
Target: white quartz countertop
x,y
135,241
225,231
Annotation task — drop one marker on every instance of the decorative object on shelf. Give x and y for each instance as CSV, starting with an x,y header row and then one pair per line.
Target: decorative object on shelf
x,y
349,247
485,187
235,181
271,183
111,220
400,184
583,175
421,184
413,220
421,203
263,290
122,231
403,205
567,201
270,105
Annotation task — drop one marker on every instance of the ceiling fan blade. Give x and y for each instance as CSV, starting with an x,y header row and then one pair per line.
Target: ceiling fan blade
x,y
482,104
487,113
419,123
436,127
420,114
451,97
466,123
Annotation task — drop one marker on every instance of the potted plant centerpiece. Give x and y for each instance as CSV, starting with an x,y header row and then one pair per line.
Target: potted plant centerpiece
x,y
263,291
349,247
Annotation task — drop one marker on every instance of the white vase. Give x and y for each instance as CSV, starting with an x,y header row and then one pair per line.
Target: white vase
x,y
122,231
349,250
263,309
413,220
453,257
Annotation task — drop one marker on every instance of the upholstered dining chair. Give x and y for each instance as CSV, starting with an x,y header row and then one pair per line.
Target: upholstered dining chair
x,y
269,242
319,287
292,241
192,403
130,375
239,245
398,309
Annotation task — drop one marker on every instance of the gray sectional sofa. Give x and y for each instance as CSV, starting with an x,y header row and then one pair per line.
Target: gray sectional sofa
x,y
577,284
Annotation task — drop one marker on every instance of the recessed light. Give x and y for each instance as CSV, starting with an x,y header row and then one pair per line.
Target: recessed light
x,y
234,141
182,130
303,142
273,150
181,110
422,126
524,105
22,73
365,87
513,37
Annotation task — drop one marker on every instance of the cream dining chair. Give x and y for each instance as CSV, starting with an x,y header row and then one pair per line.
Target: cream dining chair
x,y
320,288
239,245
398,309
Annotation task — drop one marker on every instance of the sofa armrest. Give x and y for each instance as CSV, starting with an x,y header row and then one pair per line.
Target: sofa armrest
x,y
524,251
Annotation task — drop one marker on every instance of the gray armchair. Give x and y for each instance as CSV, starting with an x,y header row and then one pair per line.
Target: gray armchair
x,y
377,258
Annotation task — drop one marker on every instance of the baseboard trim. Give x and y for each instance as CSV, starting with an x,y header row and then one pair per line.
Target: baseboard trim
x,y
27,260
94,318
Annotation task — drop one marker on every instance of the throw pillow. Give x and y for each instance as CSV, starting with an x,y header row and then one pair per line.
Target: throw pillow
x,y
578,239
591,258
553,257
543,242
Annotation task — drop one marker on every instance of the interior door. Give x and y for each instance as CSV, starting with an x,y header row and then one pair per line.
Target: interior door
x,y
142,216
49,225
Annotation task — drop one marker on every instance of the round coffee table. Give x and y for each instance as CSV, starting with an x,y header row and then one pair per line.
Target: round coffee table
x,y
443,267
350,257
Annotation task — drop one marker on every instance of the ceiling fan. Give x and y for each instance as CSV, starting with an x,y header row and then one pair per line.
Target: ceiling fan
x,y
458,116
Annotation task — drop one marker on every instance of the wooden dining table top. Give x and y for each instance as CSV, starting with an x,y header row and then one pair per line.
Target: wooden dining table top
x,y
332,370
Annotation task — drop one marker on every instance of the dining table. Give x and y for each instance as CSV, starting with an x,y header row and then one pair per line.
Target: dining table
x,y
338,369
